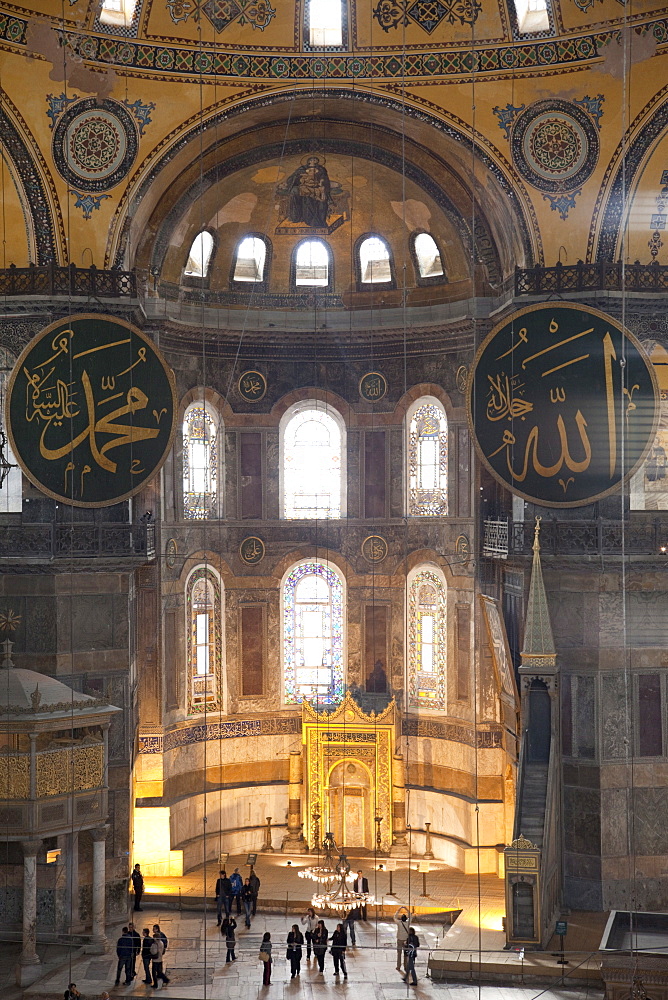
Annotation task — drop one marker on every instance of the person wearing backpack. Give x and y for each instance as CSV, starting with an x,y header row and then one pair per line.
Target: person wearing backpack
x,y
410,951
163,938
236,882
228,929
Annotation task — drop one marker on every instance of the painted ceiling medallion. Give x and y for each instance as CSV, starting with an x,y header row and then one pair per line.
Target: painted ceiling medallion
x,y
427,14
94,144
555,147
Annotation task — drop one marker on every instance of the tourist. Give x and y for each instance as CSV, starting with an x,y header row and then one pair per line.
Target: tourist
x,y
237,884
163,938
349,923
401,920
294,952
71,993
247,900
228,930
319,941
124,953
310,920
410,950
339,942
361,884
146,943
223,896
157,953
265,958
136,947
255,888
138,886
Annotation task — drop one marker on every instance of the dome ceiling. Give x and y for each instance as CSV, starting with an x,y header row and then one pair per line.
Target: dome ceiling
x,y
265,40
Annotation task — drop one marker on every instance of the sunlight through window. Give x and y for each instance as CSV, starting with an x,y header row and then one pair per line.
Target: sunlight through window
x,y
250,259
375,261
200,255
428,256
324,21
312,263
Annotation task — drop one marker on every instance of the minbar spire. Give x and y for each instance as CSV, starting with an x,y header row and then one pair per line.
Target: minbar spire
x,y
538,649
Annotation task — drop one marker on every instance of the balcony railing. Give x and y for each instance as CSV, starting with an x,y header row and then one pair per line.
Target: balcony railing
x,y
68,280
569,538
80,540
608,276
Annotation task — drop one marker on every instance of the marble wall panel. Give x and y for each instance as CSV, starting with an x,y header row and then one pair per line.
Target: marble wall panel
x,y
567,616
582,821
614,817
650,829
615,704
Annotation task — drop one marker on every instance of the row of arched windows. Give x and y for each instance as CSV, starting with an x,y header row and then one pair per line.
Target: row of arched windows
x,y
313,639
312,461
313,261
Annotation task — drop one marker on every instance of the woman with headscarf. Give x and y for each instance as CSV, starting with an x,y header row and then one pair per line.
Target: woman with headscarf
x,y
294,952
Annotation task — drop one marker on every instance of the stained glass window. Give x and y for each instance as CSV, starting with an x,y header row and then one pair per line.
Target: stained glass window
x,y
199,257
427,650
200,464
313,635
428,256
427,460
312,445
204,640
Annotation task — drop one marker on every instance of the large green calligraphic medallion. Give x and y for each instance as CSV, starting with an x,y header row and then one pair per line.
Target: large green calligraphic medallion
x,y
90,410
562,403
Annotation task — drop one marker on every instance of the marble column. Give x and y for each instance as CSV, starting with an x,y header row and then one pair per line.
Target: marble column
x,y
29,956
293,841
399,843
99,940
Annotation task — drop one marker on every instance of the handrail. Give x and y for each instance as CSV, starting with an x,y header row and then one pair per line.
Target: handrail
x,y
68,280
608,276
520,784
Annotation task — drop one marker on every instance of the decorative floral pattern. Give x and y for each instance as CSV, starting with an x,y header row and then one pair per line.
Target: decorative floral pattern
x,y
222,13
427,14
94,143
88,202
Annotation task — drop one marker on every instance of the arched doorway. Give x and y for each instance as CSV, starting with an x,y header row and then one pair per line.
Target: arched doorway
x,y
349,798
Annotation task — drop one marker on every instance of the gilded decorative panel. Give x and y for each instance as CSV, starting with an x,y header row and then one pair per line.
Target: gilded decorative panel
x,y
70,769
14,776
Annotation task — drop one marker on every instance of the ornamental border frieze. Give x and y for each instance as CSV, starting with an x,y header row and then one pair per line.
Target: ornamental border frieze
x,y
153,57
488,739
199,733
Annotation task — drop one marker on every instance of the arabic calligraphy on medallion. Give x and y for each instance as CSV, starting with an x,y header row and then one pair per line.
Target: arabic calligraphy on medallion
x,y
562,403
374,548
372,387
252,386
90,410
252,550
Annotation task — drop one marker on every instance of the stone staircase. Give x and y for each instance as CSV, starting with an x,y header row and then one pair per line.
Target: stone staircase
x,y
532,806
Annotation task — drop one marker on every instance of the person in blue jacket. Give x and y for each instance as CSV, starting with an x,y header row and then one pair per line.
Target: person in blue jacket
x,y
236,882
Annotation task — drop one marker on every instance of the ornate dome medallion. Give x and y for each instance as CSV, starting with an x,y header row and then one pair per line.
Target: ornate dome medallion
x,y
555,145
94,144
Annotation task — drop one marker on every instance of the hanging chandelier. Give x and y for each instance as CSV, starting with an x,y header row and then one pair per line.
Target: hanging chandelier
x,y
338,894
331,869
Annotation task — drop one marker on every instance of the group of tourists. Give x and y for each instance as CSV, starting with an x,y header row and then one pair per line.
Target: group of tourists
x,y
316,939
151,947
234,888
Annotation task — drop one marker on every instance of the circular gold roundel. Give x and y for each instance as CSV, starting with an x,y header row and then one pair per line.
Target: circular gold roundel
x,y
90,410
562,404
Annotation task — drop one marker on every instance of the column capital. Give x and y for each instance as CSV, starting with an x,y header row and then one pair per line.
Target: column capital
x,y
31,847
99,833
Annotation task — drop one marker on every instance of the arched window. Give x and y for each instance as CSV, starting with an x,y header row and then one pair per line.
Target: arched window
x,y
11,493
199,257
312,458
312,263
120,13
374,261
200,463
250,261
313,634
427,648
325,23
427,459
204,639
532,16
427,256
